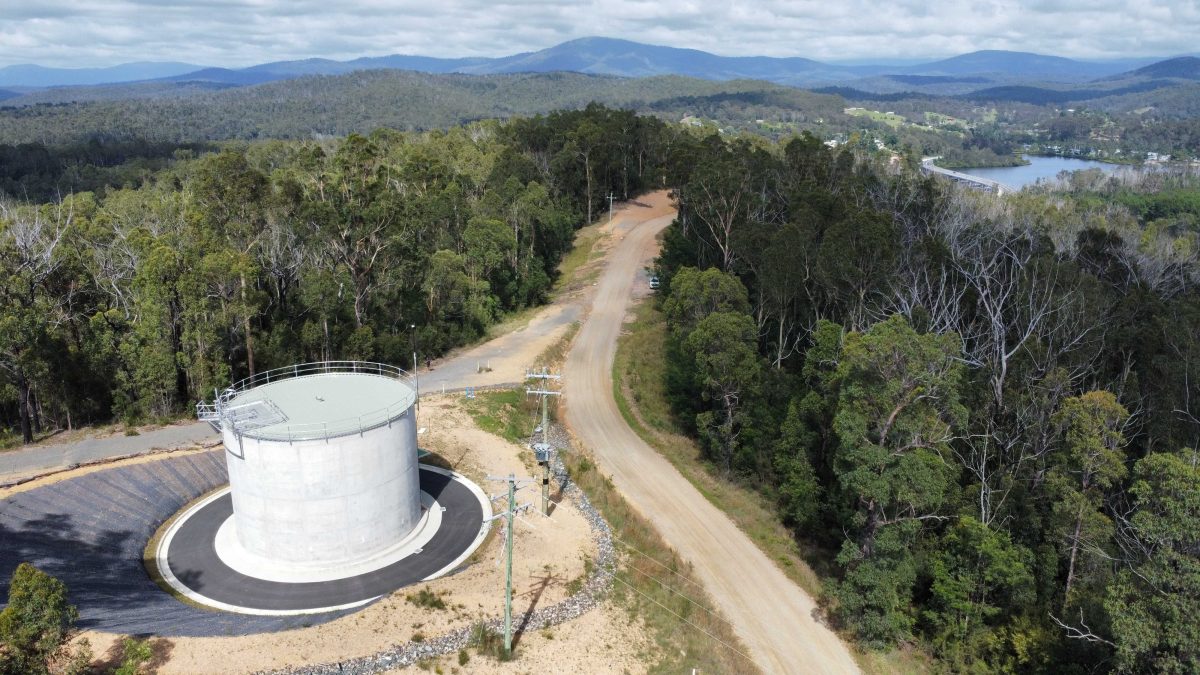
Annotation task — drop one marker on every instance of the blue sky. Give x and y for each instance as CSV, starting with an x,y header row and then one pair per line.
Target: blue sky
x,y
83,33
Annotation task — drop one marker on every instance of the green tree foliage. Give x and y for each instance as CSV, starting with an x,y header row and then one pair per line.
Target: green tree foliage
x,y
898,411
1090,463
727,368
695,294
800,493
1153,603
926,412
979,578
134,302
36,625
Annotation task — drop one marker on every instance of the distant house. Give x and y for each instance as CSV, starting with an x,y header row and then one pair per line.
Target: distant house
x,y
690,121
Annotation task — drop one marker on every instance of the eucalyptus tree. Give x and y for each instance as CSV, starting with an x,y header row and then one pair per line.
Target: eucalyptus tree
x,y
727,369
32,296
353,211
1088,466
898,412
1153,602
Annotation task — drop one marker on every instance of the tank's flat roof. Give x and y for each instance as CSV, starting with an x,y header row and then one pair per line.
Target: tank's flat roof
x,y
325,404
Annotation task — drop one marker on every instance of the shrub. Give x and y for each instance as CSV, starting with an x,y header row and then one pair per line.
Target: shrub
x,y
36,626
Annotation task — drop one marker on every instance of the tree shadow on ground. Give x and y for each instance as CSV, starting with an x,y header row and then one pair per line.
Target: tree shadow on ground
x,y
539,586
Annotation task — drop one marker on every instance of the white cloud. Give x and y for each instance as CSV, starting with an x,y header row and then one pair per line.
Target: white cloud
x,y
244,32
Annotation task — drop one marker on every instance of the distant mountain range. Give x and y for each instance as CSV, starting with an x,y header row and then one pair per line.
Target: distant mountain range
x,y
606,56
30,75
1184,67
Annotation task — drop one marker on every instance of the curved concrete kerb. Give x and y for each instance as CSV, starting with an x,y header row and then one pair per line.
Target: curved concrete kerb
x,y
199,555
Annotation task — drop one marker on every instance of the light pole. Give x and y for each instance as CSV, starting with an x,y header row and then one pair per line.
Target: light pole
x,y
412,334
412,340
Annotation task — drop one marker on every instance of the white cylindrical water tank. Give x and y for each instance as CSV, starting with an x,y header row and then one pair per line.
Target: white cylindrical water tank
x,y
322,462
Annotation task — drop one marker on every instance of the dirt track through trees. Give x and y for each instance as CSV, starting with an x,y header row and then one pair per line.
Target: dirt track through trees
x,y
773,616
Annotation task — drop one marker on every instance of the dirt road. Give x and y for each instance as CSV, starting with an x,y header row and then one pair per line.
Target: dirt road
x,y
769,612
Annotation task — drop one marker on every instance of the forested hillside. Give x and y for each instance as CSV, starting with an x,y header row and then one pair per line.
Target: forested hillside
x,y
135,303
983,410
980,414
360,102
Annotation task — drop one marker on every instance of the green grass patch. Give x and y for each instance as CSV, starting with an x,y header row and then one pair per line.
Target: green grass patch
x,y
889,118
426,599
583,252
509,414
487,642
512,414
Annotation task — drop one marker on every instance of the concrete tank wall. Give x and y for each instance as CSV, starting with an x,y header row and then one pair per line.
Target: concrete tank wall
x,y
328,501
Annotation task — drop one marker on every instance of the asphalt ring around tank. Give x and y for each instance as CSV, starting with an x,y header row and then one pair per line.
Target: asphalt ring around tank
x,y
188,559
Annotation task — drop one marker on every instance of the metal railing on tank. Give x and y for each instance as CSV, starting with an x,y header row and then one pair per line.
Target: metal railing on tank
x,y
223,410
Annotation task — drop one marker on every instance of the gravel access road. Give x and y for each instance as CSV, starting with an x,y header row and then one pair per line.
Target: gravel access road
x,y
25,461
772,615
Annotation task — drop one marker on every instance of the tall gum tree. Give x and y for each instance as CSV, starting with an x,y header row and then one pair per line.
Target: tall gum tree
x,y
898,411
31,257
1089,464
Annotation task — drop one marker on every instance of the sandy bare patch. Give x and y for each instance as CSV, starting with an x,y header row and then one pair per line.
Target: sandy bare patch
x,y
549,555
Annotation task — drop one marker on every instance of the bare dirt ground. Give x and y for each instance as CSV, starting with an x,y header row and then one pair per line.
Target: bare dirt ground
x,y
505,358
548,555
769,612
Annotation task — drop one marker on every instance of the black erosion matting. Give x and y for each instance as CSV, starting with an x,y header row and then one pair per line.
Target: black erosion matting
x,y
90,531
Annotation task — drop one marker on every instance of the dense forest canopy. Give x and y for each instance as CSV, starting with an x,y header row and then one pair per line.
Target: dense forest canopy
x,y
965,132
134,302
980,413
984,410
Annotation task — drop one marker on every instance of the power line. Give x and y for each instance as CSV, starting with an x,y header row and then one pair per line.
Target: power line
x,y
656,562
676,615
667,587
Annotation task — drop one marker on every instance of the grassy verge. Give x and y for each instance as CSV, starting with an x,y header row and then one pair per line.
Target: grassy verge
x,y
653,584
509,414
639,389
583,252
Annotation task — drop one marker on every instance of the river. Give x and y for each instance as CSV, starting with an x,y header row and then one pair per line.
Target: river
x,y
1039,167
